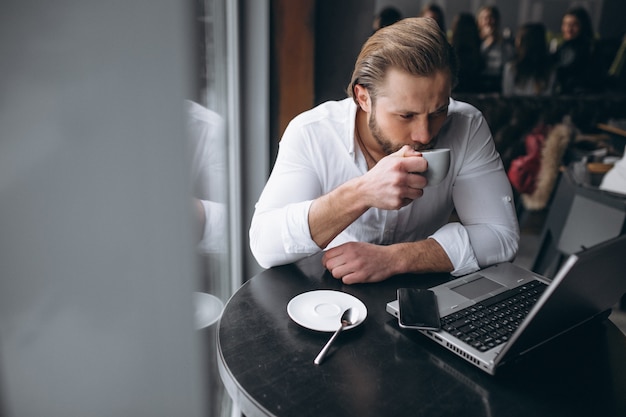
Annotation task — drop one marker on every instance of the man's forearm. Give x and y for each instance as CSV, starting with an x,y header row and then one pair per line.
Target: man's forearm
x,y
331,213
389,185
421,257
359,262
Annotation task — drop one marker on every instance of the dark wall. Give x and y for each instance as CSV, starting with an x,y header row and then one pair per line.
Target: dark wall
x,y
341,28
613,19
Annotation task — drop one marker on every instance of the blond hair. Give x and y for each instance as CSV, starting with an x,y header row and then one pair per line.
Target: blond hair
x,y
415,45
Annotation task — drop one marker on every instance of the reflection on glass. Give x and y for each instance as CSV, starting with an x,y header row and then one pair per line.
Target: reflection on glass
x,y
208,150
206,132
207,140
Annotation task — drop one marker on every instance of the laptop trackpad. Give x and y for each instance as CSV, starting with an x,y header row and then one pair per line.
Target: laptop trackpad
x,y
464,292
476,288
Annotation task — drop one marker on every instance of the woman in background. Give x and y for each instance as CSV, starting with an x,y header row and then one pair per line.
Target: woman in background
x,y
435,12
466,43
495,49
530,73
573,57
385,17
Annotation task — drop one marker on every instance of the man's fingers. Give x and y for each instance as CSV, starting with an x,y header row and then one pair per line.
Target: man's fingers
x,y
406,150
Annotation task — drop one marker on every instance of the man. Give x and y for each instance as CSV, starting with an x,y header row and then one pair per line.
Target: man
x,y
348,175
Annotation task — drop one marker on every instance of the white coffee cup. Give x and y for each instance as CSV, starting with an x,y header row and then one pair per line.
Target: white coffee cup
x,y
438,165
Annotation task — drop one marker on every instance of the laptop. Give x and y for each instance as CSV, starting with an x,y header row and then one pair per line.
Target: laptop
x,y
499,313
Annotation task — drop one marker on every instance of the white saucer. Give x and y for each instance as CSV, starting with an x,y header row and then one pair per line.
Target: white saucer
x,y
321,310
208,309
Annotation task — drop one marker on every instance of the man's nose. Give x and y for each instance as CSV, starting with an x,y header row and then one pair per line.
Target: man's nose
x,y
421,131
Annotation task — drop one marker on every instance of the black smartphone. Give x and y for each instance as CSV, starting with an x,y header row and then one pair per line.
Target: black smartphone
x,y
418,309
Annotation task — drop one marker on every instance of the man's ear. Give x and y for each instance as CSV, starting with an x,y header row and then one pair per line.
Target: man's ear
x,y
363,98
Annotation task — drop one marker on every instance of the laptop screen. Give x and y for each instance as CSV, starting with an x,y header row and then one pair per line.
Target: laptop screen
x,y
589,283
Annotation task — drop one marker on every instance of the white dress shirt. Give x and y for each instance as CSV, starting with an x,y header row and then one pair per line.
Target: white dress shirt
x,y
317,153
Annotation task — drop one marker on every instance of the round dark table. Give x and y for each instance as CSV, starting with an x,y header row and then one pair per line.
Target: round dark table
x,y
378,369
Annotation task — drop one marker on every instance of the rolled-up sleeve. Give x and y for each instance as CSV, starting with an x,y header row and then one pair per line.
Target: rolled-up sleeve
x,y
454,240
281,235
488,231
279,231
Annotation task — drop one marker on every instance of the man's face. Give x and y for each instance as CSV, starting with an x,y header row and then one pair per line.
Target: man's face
x,y
409,110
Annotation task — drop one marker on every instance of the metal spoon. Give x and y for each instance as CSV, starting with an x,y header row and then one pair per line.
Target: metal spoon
x,y
347,319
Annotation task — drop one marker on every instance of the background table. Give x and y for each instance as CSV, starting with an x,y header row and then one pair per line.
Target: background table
x,y
378,369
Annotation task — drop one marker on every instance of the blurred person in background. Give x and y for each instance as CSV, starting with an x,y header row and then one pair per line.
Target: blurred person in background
x,y
385,17
466,43
495,49
531,72
435,12
573,56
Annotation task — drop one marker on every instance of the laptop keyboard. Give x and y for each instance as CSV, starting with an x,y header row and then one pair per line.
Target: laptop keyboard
x,y
491,322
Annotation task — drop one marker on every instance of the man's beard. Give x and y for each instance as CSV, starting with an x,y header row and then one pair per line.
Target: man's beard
x,y
386,145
